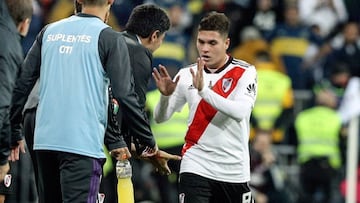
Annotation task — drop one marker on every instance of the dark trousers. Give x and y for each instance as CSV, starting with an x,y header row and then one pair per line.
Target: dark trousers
x,y
67,178
316,177
195,188
29,128
167,185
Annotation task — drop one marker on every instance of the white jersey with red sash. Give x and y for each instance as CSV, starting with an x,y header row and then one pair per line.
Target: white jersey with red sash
x,y
216,143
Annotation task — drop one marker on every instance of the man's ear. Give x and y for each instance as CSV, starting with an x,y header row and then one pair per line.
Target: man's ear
x,y
154,35
23,27
227,43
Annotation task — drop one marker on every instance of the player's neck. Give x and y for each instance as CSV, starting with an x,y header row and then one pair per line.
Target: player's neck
x,y
214,69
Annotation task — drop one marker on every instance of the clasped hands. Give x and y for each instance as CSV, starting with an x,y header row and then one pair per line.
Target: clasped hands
x,y
158,158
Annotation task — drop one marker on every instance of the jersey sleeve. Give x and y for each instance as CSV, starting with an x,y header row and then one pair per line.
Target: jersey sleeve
x,y
242,101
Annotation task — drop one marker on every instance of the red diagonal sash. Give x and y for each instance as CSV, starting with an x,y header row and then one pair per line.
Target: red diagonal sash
x,y
205,112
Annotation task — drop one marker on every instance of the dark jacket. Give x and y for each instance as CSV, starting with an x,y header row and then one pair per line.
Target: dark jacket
x,y
141,63
118,73
11,57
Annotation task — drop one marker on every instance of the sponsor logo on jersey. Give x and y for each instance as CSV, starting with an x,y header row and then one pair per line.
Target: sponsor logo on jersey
x,y
226,84
251,90
210,84
191,87
7,180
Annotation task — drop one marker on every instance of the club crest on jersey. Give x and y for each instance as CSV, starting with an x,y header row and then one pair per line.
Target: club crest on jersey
x,y
181,197
101,198
7,180
226,84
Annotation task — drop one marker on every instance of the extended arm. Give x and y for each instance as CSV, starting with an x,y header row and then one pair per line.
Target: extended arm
x,y
119,71
28,75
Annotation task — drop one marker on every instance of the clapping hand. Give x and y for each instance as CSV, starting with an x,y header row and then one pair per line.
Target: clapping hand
x,y
198,78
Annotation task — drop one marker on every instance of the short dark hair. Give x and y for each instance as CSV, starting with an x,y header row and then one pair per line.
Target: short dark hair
x,y
215,21
147,18
19,10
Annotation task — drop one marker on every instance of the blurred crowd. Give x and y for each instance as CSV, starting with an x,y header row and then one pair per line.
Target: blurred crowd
x,y
297,46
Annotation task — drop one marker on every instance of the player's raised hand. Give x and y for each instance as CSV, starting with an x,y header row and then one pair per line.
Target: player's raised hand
x,y
198,78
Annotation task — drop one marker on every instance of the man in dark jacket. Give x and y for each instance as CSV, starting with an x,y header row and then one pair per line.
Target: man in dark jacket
x,y
15,18
144,33
71,115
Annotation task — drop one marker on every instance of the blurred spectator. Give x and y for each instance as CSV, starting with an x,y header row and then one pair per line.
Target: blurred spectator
x,y
314,12
275,100
342,48
265,17
267,181
345,48
291,41
336,82
239,12
318,129
252,43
